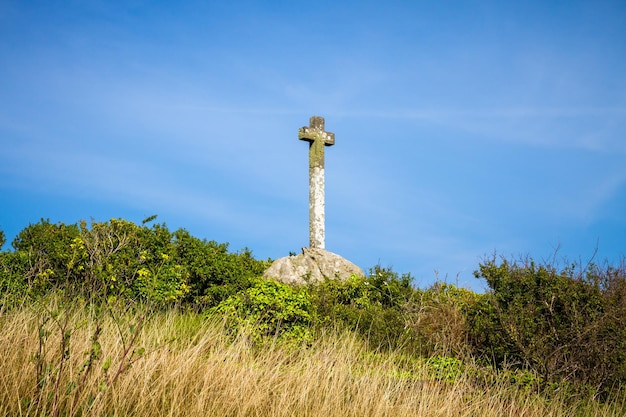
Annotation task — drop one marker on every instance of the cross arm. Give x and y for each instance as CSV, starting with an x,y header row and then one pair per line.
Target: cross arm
x,y
316,132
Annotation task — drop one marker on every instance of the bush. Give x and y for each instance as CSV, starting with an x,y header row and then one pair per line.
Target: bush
x,y
270,309
124,259
372,305
121,259
214,274
42,257
564,324
12,284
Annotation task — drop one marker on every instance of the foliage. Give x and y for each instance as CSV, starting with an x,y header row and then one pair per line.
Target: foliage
x,y
270,309
373,305
487,338
445,368
214,274
121,259
13,286
564,324
42,252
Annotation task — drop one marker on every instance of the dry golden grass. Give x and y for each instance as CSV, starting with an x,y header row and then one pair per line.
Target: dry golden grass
x,y
191,367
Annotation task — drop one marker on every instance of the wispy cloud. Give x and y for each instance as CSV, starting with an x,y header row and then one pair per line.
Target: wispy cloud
x,y
593,128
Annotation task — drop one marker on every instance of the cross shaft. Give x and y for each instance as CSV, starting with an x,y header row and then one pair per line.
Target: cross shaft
x,y
318,138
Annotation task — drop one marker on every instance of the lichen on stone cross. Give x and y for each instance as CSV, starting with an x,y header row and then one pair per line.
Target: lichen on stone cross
x,y
318,138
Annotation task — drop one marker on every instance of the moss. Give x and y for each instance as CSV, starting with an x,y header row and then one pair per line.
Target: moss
x,y
317,141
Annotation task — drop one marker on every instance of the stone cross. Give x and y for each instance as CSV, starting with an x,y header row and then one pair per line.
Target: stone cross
x,y
318,139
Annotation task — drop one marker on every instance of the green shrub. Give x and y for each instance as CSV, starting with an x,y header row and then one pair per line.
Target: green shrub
x,y
43,259
13,287
445,368
564,324
270,309
487,340
372,305
119,258
213,273
125,259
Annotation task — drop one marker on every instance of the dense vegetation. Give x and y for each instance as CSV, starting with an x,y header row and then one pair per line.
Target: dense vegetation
x,y
554,334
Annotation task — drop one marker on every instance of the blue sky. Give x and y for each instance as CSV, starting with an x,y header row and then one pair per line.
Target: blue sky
x,y
463,128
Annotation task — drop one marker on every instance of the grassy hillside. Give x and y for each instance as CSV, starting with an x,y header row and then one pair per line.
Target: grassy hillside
x,y
84,360
114,318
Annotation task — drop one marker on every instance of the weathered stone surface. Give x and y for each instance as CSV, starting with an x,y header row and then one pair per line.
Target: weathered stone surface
x,y
318,138
311,266
315,263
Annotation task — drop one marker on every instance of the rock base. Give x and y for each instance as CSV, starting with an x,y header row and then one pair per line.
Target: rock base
x,y
313,265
